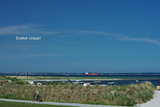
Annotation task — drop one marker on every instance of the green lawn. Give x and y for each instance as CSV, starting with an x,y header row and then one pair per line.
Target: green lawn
x,y
17,104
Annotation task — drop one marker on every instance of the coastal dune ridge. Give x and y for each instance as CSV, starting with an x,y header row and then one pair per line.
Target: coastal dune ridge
x,y
125,95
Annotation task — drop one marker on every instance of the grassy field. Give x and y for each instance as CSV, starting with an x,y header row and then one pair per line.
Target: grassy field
x,y
84,78
127,95
57,78
17,104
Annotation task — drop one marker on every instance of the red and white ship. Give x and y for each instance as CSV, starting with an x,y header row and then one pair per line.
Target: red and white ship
x,y
91,73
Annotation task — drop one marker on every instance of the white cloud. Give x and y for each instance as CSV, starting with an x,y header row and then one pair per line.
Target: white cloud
x,y
94,32
32,29
119,36
28,29
148,40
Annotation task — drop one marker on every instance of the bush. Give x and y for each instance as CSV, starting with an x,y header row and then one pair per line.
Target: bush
x,y
128,95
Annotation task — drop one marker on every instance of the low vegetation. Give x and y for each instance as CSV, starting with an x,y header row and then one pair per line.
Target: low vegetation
x,y
57,77
83,78
5,79
127,95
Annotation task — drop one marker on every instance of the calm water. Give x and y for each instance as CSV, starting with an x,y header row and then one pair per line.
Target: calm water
x,y
130,78
110,82
123,82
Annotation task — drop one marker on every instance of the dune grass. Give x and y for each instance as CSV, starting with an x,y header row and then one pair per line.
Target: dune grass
x,y
17,104
127,95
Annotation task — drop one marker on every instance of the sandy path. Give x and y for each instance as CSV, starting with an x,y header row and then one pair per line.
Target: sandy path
x,y
55,103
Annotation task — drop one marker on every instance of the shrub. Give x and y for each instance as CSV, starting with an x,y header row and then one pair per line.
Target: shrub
x,y
109,95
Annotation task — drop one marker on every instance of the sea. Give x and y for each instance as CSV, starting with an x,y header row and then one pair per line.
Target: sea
x,y
115,78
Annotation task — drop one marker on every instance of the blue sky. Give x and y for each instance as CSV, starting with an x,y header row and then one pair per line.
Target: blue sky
x,y
80,36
